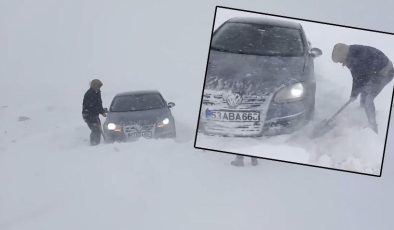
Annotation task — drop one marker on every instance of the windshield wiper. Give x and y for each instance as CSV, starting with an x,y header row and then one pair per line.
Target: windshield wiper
x,y
230,51
220,49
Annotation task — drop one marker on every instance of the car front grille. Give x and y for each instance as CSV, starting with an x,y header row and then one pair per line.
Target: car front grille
x,y
137,130
216,100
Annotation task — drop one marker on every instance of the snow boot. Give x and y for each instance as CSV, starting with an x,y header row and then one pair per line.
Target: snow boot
x,y
238,161
374,127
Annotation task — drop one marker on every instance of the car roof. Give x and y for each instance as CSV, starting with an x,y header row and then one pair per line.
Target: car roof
x,y
139,92
266,21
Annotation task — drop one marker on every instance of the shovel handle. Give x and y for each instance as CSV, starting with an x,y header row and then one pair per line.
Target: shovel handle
x,y
340,110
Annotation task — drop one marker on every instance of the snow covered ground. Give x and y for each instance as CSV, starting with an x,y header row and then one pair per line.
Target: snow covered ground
x,y
51,179
350,145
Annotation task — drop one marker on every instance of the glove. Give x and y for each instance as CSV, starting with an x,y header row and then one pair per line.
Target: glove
x,y
351,99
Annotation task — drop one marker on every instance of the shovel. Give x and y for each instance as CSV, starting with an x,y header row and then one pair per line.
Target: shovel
x,y
326,125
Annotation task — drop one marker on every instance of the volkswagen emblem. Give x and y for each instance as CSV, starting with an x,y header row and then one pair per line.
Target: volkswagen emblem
x,y
234,99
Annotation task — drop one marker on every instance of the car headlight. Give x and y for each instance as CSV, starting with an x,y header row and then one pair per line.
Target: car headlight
x,y
294,92
163,123
114,127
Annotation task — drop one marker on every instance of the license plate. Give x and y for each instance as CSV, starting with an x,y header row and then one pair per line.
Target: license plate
x,y
134,134
219,115
146,134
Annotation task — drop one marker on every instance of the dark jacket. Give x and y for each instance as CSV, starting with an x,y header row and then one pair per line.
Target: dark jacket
x,y
365,63
92,104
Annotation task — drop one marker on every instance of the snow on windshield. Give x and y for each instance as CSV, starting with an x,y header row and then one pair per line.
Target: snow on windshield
x,y
258,40
136,103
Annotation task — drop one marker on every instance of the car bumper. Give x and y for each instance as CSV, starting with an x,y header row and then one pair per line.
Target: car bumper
x,y
278,119
249,129
123,136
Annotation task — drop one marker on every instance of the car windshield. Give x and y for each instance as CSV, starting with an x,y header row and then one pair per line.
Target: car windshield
x,y
137,102
258,40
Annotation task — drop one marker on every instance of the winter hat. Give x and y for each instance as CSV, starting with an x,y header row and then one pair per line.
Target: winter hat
x,y
340,52
96,84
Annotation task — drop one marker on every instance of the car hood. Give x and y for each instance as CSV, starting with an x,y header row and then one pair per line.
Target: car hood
x,y
141,117
250,74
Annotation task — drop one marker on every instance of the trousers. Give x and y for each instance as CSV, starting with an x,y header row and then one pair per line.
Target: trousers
x,y
370,91
94,125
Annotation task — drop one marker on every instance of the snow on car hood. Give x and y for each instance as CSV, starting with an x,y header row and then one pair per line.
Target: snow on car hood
x,y
144,116
251,74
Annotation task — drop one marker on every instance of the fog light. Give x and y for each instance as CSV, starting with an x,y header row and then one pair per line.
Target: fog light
x,y
297,90
163,123
291,93
111,126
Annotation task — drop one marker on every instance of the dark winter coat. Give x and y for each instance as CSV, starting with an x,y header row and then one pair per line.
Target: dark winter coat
x,y
365,63
92,104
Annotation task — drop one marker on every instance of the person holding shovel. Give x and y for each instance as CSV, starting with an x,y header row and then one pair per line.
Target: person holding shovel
x,y
371,71
92,106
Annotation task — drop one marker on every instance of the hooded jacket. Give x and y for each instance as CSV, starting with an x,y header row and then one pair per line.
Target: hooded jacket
x,y
365,64
92,104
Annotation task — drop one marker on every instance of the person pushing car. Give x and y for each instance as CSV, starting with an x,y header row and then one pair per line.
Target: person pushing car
x,y
371,71
91,108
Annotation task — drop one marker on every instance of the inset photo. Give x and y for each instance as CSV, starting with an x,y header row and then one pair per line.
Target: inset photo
x,y
297,91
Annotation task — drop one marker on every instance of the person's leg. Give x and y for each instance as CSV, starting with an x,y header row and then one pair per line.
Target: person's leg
x,y
97,131
372,89
95,128
91,127
369,108
254,161
238,161
362,98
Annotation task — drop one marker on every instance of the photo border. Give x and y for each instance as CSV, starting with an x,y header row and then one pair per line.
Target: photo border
x,y
291,162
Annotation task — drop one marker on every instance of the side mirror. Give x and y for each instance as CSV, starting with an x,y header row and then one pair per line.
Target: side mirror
x,y
171,104
315,52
